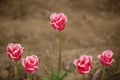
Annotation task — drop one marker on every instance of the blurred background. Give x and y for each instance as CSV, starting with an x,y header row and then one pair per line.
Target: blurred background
x,y
93,26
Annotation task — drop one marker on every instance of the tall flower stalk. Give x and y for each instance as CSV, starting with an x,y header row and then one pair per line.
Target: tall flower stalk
x,y
103,73
58,22
83,76
60,52
16,70
31,77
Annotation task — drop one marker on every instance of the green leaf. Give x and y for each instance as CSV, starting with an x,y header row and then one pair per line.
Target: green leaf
x,y
44,78
53,76
64,76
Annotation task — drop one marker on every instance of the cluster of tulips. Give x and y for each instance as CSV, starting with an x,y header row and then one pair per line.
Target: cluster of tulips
x,y
31,63
84,63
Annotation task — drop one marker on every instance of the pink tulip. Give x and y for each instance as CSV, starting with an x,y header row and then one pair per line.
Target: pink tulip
x,y
58,21
106,57
83,64
30,64
14,51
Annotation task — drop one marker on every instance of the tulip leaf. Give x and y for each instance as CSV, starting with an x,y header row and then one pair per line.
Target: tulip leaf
x,y
44,78
64,76
55,76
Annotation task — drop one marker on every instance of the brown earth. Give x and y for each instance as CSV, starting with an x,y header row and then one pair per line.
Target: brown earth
x,y
92,27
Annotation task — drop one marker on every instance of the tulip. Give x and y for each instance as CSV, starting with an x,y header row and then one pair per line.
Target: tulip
x,y
83,64
58,21
106,58
14,52
30,63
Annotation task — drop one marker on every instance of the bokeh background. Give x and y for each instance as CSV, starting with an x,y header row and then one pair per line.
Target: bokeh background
x,y
93,26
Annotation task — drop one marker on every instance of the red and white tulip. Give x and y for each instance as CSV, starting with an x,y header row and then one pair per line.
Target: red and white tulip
x,y
83,64
106,58
30,63
58,21
14,51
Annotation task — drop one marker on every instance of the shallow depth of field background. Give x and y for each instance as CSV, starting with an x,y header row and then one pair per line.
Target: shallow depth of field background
x,y
93,26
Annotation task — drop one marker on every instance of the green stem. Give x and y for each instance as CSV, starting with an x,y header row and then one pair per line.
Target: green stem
x,y
103,73
31,77
16,70
83,77
60,52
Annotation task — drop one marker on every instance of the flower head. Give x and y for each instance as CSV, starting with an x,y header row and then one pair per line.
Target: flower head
x,y
83,64
14,51
106,57
30,63
58,21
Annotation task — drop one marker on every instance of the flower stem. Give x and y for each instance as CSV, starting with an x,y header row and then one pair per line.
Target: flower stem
x,y
31,77
16,70
103,73
60,52
83,77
